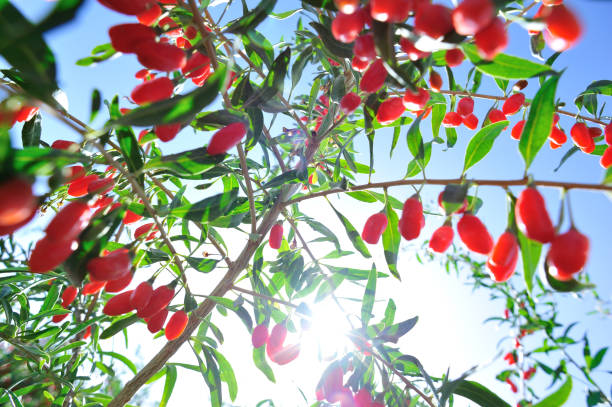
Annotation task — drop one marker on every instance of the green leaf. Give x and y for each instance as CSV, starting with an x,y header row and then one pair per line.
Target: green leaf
x,y
213,378
30,133
367,304
63,12
598,358
123,359
530,253
179,109
207,209
227,374
478,394
415,141
96,103
252,19
394,332
539,122
201,264
587,98
216,120
334,46
274,82
353,235
559,397
259,357
391,240
289,177
168,385
505,66
131,151
43,161
298,66
481,144
186,164
118,326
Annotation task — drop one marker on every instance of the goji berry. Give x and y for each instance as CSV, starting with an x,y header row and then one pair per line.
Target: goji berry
x,y
49,253
503,258
392,11
465,106
131,217
517,130
276,236
153,91
18,201
93,287
441,239
532,217
415,101
454,57
259,336
374,228
433,20
568,254
157,321
176,325
562,28
160,299
412,219
115,286
167,132
126,37
414,54
435,81
471,16
474,234
452,119
129,7
149,16
69,295
349,103
197,66
492,39
141,295
110,267
160,56
118,305
390,110
513,104
226,138
346,27
364,47
101,186
374,77
471,121
79,186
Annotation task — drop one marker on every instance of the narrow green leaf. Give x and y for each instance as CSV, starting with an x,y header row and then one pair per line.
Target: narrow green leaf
x,y
478,394
252,19
334,46
391,240
367,304
123,359
505,66
539,122
559,397
481,144
118,326
227,374
353,235
168,385
530,253
207,209
131,151
259,357
273,83
30,133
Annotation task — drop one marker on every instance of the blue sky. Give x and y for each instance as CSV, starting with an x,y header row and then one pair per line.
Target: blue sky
x,y
450,332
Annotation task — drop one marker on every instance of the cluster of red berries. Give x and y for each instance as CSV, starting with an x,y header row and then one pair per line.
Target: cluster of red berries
x,y
410,223
332,389
276,350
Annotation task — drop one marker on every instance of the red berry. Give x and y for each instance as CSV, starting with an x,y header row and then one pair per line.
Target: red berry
x,y
17,201
347,6
93,287
332,384
435,81
390,110
557,136
349,103
287,354
101,186
512,385
87,333
568,254
50,253
589,148
276,236
117,285
364,47
167,132
412,219
413,52
532,217
492,39
131,217
79,186
465,107
415,101
454,57
142,230
392,11
113,266
595,132
433,20
608,134
606,158
474,234
509,357
69,221
73,173
59,318
452,119
562,28
118,305
277,337
497,115
150,16
141,295
471,16
259,336
153,91
441,239
129,7
65,145
197,66
226,138
363,398
513,104
374,78
127,37
374,228
470,121
157,321
580,135
346,27
503,258
160,299
517,130
26,113
359,64
160,56
69,295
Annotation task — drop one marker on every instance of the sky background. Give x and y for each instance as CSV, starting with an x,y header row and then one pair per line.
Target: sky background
x,y
450,332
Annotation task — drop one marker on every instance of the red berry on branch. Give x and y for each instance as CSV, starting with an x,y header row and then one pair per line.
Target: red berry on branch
x,y
364,47
503,258
390,110
517,130
529,373
474,234
563,29
160,56
433,20
87,333
512,385
118,305
497,115
191,32
59,318
79,186
259,336
374,228
176,325
141,295
143,230
69,221
93,287
510,358
277,337
452,119
170,27
129,7
347,6
363,398
374,78
17,201
26,113
454,57
412,219
153,91
492,39
413,52
65,145
557,136
346,27
226,138
608,134
513,104
197,65
127,37
73,173
286,355
150,16
49,253
441,239
391,11
580,135
532,217
595,132
160,299
167,132
415,101
131,217
69,295
568,254
471,16
359,65
157,321
119,284
113,266
332,384
435,81
606,158
465,106
101,186
471,121
276,236
349,103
